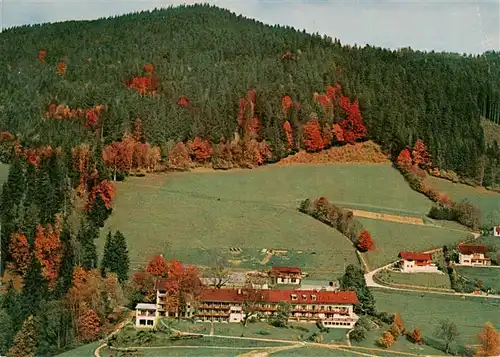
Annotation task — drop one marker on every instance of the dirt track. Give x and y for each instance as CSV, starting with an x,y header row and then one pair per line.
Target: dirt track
x,y
388,217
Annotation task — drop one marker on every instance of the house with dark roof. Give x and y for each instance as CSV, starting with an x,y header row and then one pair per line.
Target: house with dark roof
x,y
412,262
473,254
285,275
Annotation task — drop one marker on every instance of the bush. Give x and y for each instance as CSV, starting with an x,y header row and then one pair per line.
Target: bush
x,y
262,332
358,334
385,317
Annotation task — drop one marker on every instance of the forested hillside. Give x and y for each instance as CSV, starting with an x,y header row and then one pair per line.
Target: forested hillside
x,y
204,59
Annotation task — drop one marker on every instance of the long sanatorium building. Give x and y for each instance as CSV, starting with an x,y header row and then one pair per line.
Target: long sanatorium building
x,y
332,309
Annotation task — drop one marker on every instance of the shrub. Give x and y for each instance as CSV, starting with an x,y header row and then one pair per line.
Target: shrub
x,y
358,334
262,332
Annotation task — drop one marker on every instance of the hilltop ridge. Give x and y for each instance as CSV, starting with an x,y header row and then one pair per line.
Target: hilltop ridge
x,y
205,59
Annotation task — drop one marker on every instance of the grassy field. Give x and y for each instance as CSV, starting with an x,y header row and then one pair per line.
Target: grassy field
x,y
489,276
4,172
488,201
391,238
193,215
470,314
428,280
294,331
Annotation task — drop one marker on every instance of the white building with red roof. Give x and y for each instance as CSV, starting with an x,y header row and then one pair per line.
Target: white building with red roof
x,y
473,254
496,231
333,309
285,275
412,262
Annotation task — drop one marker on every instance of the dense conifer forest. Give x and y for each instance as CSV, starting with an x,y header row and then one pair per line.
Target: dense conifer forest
x,y
208,58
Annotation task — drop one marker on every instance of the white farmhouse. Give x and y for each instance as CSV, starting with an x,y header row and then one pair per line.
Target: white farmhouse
x,y
412,262
473,254
145,315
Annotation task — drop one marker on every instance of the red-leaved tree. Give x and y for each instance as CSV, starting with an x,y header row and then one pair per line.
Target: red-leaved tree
x,y
48,251
421,156
201,150
313,140
289,133
365,242
404,160
20,251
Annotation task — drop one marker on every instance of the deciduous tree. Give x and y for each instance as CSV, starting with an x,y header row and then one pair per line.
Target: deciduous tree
x,y
448,332
158,267
416,336
25,341
489,341
386,340
313,140
365,242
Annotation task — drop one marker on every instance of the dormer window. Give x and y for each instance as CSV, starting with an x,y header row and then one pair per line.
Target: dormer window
x,y
294,297
313,297
304,297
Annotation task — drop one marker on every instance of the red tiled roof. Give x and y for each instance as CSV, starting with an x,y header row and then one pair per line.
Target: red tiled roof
x,y
468,249
322,297
275,296
221,295
415,256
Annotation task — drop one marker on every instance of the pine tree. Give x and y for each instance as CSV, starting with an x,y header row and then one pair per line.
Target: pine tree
x,y
67,263
25,341
44,197
87,250
35,288
13,192
6,331
115,258
99,212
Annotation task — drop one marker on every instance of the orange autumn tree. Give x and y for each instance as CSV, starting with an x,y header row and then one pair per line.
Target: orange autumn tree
x,y
183,284
313,139
289,133
41,55
147,84
20,251
48,251
88,325
421,156
399,323
286,104
489,341
106,190
131,153
158,267
201,150
365,242
92,301
386,340
61,68
416,336
404,160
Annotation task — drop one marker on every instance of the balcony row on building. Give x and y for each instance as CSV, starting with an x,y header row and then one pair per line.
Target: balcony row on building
x,y
332,309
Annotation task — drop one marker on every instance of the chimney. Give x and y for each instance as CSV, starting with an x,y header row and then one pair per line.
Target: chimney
x,y
239,291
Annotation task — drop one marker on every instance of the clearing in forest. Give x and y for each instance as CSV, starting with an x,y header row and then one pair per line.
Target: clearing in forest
x,y
190,215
